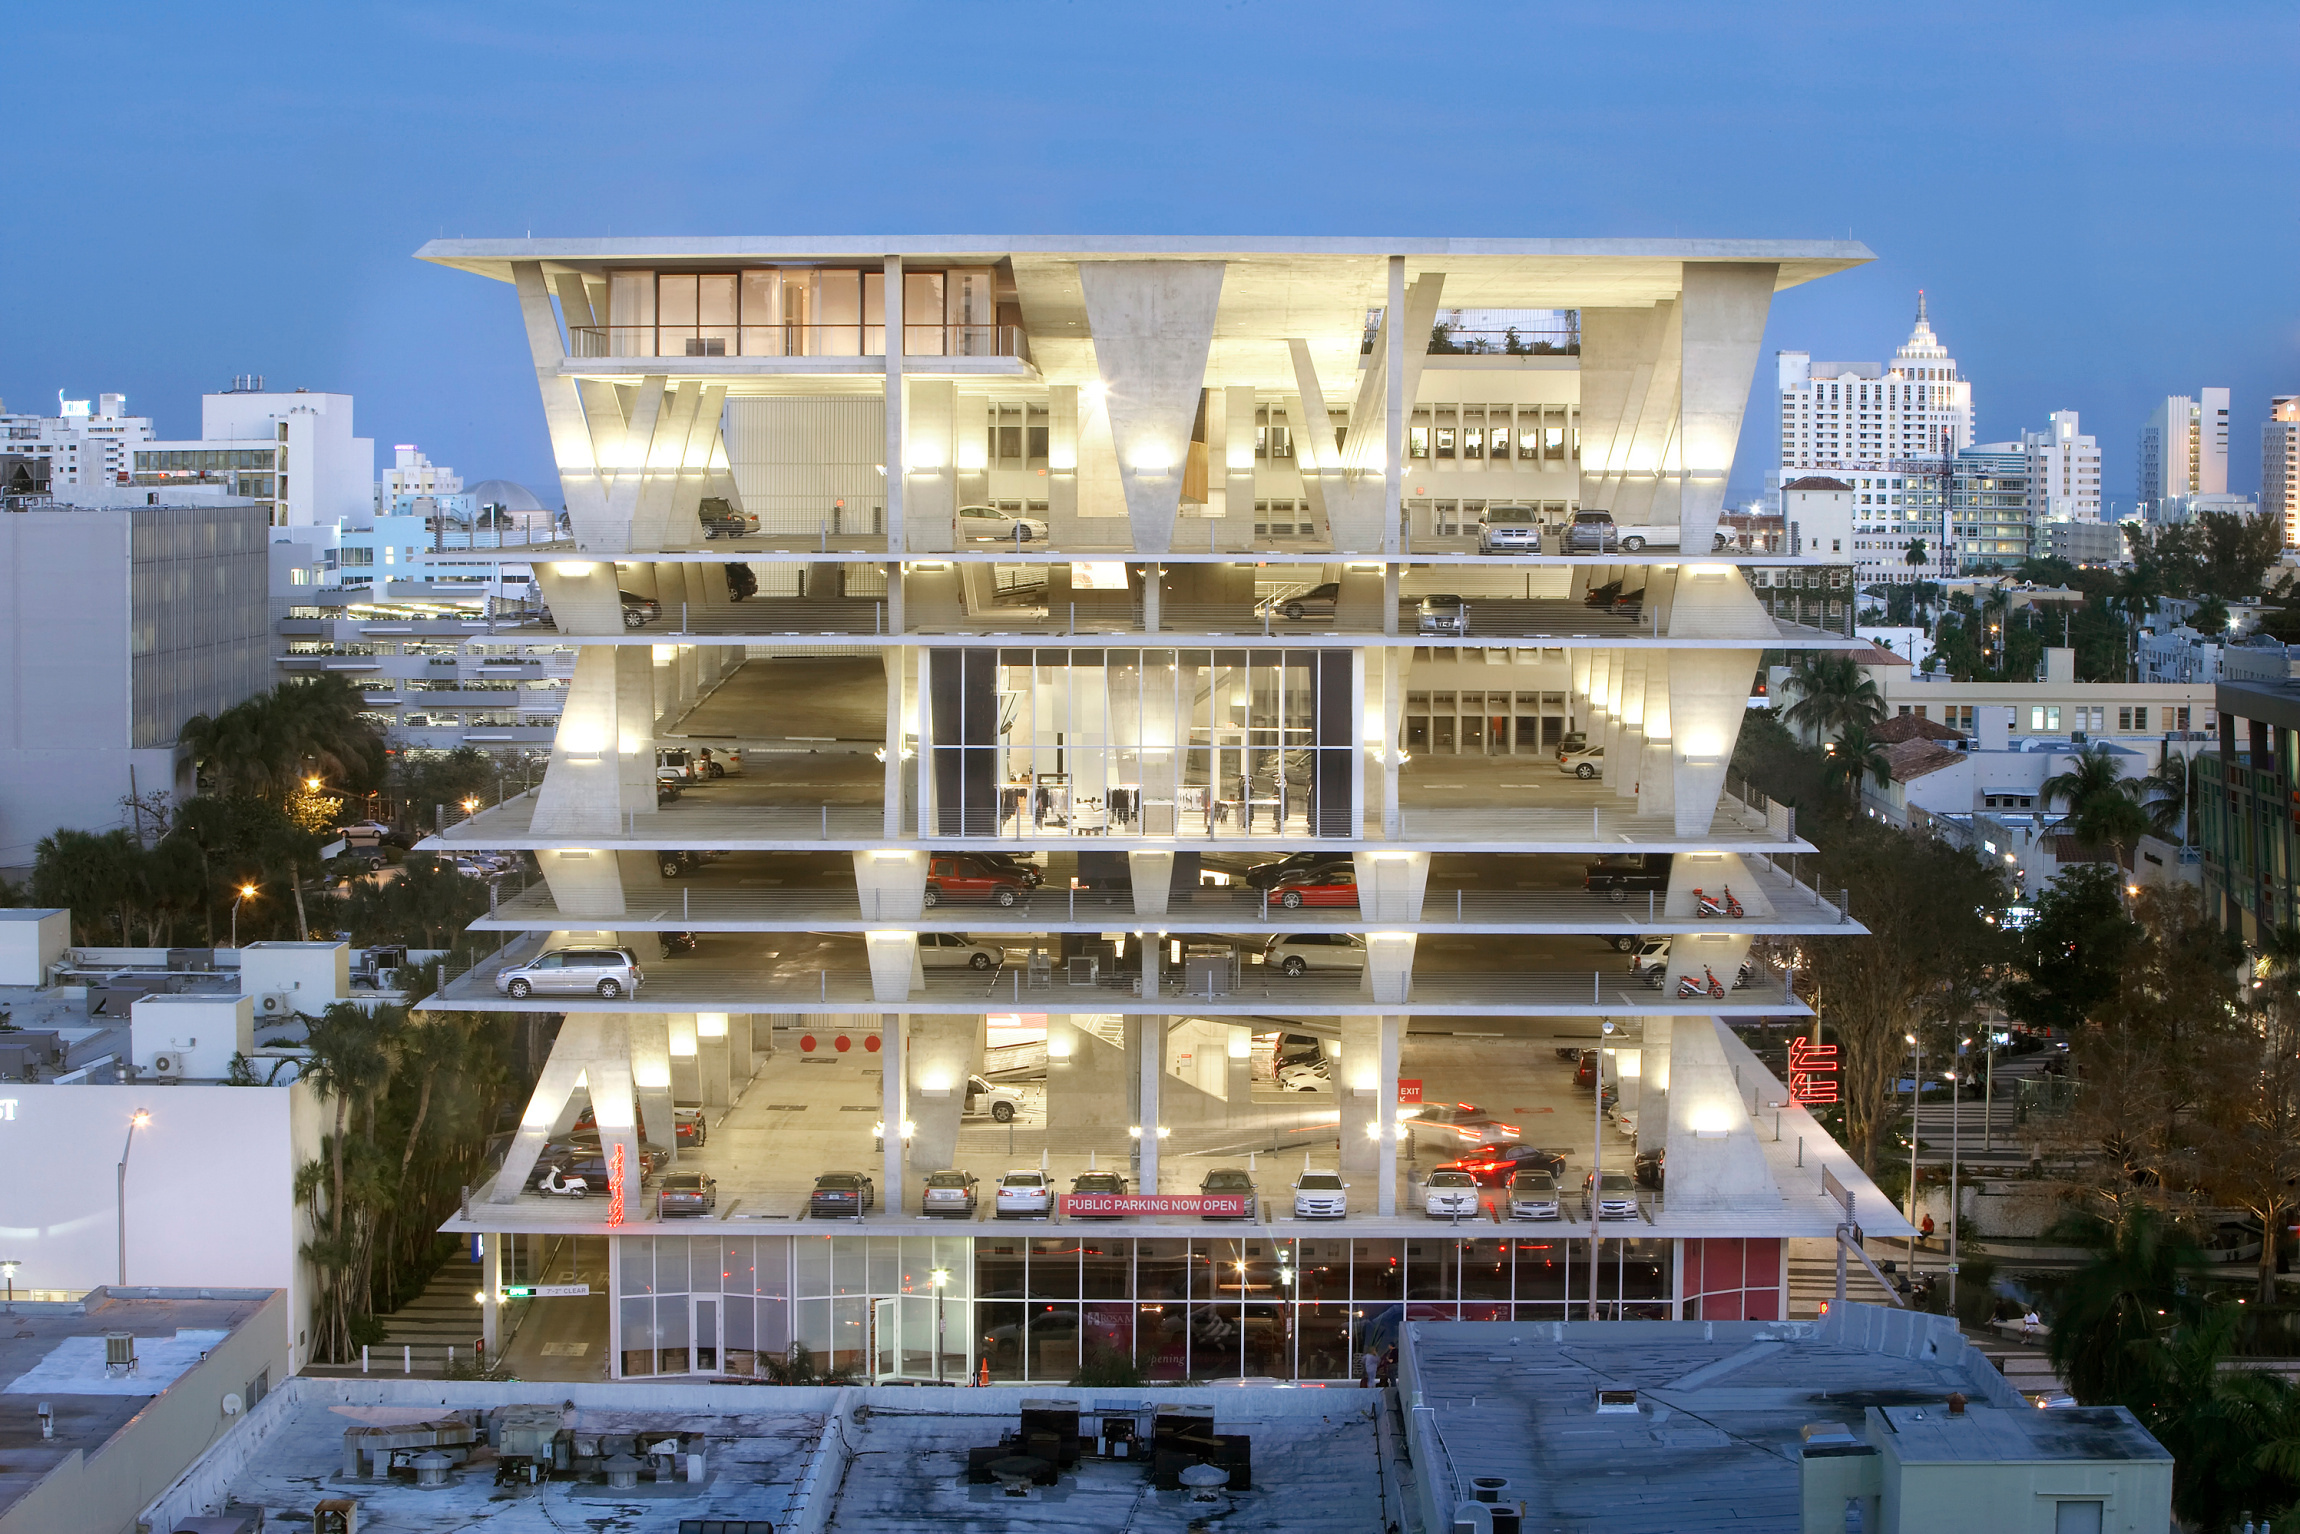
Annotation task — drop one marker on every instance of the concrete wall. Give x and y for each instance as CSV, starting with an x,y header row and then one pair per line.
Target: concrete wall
x,y
104,1492
31,939
211,1187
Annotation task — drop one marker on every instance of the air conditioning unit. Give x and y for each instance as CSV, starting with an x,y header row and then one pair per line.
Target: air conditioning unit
x,y
275,1004
168,1065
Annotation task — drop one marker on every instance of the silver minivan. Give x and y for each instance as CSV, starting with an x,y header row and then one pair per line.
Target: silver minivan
x,y
1509,530
603,972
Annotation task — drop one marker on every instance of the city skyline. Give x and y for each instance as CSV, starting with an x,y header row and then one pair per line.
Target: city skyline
x,y
428,123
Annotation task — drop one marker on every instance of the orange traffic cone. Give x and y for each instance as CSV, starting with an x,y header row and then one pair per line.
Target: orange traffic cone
x,y
984,1377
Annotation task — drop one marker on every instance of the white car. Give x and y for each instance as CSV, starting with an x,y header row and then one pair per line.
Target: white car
x,y
1306,1075
987,524
1320,1196
955,950
1026,1194
1293,953
1450,1195
984,1099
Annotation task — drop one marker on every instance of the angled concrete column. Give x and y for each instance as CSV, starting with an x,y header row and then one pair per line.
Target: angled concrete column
x,y
1153,325
930,472
581,594
584,790
1653,1087
1725,304
588,883
1391,884
715,1078
1708,699
895,972
895,661
564,417
1062,466
686,1059
666,455
890,884
894,1111
1389,973
1350,504
1715,1162
896,463
1657,768
643,411
634,727
1152,876
1146,1043
1357,1091
578,1046
684,528
650,1034
1386,1104
942,1051
1721,943
1630,367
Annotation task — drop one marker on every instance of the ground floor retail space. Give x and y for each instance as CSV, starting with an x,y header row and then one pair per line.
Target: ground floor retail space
x,y
1040,1304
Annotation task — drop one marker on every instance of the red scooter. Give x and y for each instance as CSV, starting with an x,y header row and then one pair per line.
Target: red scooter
x,y
1721,904
1689,988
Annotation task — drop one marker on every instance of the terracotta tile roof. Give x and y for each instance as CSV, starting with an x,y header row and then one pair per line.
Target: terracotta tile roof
x,y
1912,759
1913,727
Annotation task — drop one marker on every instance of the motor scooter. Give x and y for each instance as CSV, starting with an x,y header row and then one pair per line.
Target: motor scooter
x,y
1688,988
1721,904
557,1182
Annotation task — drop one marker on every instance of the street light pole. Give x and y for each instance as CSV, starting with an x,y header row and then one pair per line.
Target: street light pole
x,y
120,1189
1916,1101
1956,1109
246,891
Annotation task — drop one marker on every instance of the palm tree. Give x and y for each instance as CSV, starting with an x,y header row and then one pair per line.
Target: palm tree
x,y
1916,555
2117,1309
2135,598
1852,756
1834,694
2169,795
265,746
2102,808
351,1061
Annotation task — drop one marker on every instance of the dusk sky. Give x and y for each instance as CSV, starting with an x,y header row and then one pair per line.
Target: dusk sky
x,y
2099,198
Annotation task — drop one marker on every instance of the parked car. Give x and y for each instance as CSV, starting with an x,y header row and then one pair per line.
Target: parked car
x,y
1651,1169
1107,1183
585,1156
1585,764
1320,1196
1613,1195
1650,959
981,1098
686,1193
1305,1075
842,1193
1592,532
1615,874
1443,613
676,763
1009,862
962,878
1025,1194
955,950
639,611
987,524
1509,530
689,1128
603,972
1296,953
1534,1196
951,1192
1495,1164
1334,885
1264,876
1450,1195
720,519
1230,1179
1320,601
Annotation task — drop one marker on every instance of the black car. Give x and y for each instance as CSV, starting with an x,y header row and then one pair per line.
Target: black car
x,y
1494,1165
1264,876
842,1193
1107,1183
1617,873
583,1156
1650,1168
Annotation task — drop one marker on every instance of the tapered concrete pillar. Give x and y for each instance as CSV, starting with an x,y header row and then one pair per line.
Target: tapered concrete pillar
x,y
1708,699
931,468
1357,1091
891,804
491,1297
894,1114
650,1034
1389,972
1146,1042
1386,1103
1715,1160
1653,1088
686,1060
1631,365
714,1061
1725,305
1152,324
1152,876
895,973
941,1051
1657,768
582,595
890,884
583,791
1391,885
591,1054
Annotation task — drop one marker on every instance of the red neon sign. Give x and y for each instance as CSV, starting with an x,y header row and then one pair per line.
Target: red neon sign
x,y
615,1185
1812,1071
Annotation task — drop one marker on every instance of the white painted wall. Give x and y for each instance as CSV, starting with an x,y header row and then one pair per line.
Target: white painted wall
x,y
196,1034
31,939
210,1190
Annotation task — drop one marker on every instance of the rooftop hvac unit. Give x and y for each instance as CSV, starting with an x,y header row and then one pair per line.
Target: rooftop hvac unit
x,y
165,1066
275,1004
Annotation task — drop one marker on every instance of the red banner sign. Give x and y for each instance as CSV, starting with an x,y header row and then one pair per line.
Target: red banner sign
x,y
1812,1071
1202,1205
1409,1089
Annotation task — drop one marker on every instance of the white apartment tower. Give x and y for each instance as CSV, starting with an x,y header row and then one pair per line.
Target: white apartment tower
x,y
2280,465
2183,452
412,473
1866,423
84,446
2064,471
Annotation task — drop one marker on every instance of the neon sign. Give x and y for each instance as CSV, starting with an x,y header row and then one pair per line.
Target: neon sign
x,y
1812,1071
615,1185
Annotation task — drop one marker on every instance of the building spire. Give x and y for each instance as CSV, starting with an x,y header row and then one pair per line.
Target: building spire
x,y
1921,306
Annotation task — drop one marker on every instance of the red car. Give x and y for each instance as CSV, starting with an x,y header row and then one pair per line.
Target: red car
x,y
974,880
1335,885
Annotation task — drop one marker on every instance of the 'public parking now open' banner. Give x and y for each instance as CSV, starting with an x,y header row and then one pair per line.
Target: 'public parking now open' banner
x,y
1203,1205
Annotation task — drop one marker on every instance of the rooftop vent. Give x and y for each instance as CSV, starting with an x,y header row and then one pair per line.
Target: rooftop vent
x,y
1616,1401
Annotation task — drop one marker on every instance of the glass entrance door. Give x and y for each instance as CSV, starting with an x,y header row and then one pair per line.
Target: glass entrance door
x,y
706,1335
886,1340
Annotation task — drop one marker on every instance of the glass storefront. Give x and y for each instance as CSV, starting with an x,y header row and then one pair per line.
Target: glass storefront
x,y
1045,1304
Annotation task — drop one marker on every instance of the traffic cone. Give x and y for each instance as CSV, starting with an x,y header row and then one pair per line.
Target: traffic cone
x,y
984,1377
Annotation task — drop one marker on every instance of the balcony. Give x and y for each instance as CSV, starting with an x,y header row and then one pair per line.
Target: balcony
x,y
699,342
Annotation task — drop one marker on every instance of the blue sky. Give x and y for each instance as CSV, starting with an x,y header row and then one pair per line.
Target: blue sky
x,y
2099,197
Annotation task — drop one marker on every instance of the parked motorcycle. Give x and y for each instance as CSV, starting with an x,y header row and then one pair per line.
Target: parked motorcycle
x,y
1721,904
1689,988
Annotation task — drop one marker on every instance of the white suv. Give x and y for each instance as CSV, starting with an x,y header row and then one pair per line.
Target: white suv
x,y
1025,1194
1294,953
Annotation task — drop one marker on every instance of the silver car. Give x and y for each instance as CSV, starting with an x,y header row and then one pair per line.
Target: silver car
x,y
603,972
1592,532
1444,613
987,524
1533,1196
1509,530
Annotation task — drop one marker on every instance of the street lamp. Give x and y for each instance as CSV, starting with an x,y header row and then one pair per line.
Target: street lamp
x,y
1916,1101
940,1278
1956,1108
247,892
8,1267
136,1121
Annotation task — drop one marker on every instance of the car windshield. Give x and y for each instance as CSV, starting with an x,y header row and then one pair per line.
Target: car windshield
x,y
1325,1182
1512,514
1101,1182
1534,1182
1445,600
1617,1182
1452,1180
1023,1180
947,1180
1228,1179
838,1180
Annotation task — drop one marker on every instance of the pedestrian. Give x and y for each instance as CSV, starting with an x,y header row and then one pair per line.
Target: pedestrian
x,y
2029,1324
1925,1231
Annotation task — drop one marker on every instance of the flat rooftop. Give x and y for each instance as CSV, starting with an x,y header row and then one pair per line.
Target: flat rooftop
x,y
54,1354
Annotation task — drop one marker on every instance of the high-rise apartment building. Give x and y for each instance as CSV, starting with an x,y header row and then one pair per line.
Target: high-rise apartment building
x,y
2183,453
1871,425
2280,465
2063,472
1061,600
85,446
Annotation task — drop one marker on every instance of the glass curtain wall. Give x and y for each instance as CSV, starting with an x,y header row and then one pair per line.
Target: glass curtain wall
x,y
794,312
